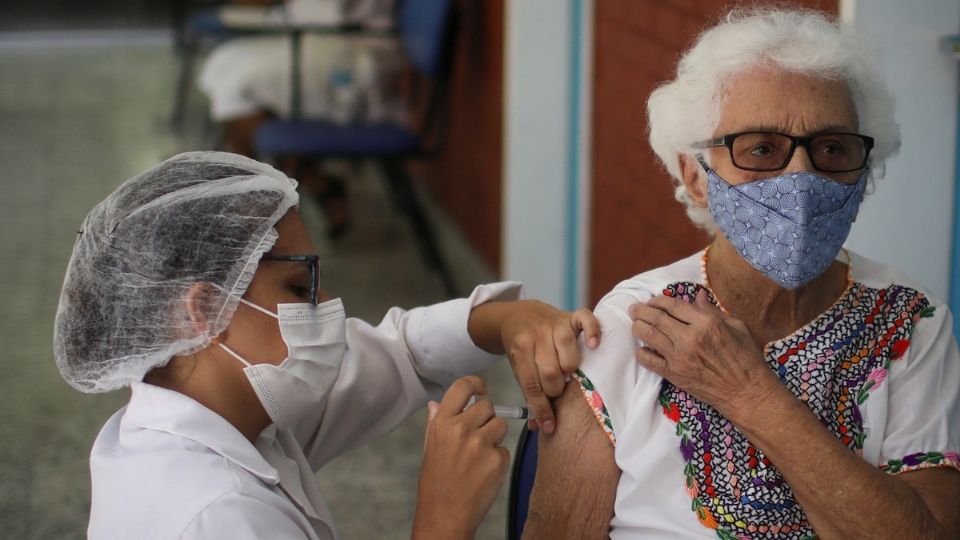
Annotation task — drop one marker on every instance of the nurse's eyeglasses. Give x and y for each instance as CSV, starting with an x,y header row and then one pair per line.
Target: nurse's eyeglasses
x,y
313,264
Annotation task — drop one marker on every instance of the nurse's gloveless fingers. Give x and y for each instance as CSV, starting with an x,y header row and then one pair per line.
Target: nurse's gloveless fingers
x,y
494,431
584,321
568,354
479,413
528,377
432,407
522,354
459,394
547,357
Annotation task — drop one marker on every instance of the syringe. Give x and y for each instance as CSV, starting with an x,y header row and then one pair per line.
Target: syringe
x,y
504,411
513,413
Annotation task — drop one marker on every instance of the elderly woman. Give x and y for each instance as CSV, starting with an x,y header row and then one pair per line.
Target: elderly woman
x,y
196,285
773,385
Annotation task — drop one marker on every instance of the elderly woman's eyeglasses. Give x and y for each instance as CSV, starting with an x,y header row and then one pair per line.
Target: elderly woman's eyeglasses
x,y
312,262
771,151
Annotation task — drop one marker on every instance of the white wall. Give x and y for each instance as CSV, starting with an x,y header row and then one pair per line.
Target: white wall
x,y
908,221
545,147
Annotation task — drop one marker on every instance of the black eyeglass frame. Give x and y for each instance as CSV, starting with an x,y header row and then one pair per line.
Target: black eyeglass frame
x,y
727,140
312,262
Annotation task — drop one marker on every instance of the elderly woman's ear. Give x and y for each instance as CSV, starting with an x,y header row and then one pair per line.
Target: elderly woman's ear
x,y
693,179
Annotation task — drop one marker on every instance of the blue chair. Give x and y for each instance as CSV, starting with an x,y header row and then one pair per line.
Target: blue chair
x,y
426,30
521,483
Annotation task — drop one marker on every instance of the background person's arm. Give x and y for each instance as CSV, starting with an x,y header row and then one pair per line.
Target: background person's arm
x,y
577,477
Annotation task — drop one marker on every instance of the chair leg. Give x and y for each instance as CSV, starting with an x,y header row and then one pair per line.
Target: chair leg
x,y
405,197
188,54
178,21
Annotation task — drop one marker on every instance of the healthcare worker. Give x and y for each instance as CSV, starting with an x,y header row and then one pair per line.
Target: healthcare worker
x,y
196,285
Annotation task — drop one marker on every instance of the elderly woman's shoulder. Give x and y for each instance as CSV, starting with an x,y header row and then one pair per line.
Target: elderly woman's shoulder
x,y
686,272
882,276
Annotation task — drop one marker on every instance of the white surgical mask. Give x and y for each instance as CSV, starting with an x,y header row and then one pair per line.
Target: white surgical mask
x,y
301,384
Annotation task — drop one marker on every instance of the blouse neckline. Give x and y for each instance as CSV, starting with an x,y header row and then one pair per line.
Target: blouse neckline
x,y
803,329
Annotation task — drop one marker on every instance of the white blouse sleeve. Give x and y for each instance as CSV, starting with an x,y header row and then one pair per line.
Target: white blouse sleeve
x,y
923,411
392,369
609,374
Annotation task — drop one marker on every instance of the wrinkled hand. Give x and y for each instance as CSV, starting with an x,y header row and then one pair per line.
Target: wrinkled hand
x,y
541,343
707,353
463,463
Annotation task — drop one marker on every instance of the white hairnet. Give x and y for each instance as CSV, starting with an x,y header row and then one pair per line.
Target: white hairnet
x,y
199,217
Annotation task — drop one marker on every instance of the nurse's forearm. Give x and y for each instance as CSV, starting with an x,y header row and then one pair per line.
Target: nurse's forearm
x,y
421,532
484,325
842,495
430,528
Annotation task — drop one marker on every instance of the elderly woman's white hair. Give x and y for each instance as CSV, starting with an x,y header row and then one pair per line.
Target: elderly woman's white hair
x,y
687,109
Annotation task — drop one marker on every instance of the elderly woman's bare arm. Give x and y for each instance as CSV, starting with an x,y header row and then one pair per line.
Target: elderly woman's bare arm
x,y
576,479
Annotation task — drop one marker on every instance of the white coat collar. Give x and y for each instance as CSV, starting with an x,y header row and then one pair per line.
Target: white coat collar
x,y
153,407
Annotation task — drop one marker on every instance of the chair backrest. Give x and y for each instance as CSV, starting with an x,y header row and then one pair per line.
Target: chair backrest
x,y
521,483
425,30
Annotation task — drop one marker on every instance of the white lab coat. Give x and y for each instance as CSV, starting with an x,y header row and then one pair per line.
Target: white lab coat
x,y
166,467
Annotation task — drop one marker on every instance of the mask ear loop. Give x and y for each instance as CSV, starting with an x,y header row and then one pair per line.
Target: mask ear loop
x,y
243,300
263,310
234,354
259,308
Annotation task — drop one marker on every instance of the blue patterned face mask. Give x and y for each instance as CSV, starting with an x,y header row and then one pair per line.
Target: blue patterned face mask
x,y
788,227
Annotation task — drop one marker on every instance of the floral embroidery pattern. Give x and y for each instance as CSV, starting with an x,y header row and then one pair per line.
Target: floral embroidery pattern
x,y
596,403
922,460
832,364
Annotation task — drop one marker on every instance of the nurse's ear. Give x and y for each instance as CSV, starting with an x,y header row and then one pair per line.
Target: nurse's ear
x,y
198,303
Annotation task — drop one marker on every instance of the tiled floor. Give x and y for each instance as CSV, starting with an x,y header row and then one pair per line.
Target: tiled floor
x,y
77,117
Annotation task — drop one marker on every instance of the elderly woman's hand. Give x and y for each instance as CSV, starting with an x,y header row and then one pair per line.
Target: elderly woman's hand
x,y
704,351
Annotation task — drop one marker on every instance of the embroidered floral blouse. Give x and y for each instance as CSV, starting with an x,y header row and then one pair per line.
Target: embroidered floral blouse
x,y
880,368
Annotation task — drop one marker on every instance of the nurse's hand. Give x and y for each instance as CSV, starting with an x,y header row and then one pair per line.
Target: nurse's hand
x,y
541,343
463,464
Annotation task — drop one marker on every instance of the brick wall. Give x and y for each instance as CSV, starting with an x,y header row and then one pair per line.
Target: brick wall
x,y
465,179
636,225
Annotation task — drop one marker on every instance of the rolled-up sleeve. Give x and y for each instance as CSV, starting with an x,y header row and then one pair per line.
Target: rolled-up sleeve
x,y
438,339
392,369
